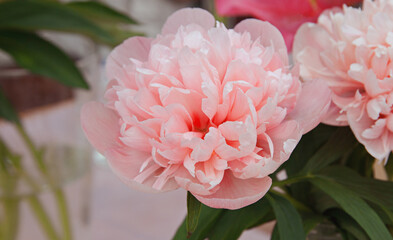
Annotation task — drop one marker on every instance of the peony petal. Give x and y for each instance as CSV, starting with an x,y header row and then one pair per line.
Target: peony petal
x,y
236,193
334,117
101,126
280,135
312,105
359,122
127,165
186,181
268,34
187,16
135,47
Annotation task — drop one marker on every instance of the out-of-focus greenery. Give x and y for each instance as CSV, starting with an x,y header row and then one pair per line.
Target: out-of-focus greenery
x,y
21,21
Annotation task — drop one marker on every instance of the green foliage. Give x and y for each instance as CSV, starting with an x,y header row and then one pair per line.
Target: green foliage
x,y
225,224
41,57
99,12
7,112
289,222
356,207
44,15
193,211
207,219
19,20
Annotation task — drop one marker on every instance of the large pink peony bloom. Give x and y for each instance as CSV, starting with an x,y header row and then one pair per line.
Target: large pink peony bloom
x,y
352,51
211,110
286,15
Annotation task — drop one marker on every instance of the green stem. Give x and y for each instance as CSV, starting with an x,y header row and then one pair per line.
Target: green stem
x,y
12,218
63,209
298,205
37,155
10,203
59,194
43,218
291,180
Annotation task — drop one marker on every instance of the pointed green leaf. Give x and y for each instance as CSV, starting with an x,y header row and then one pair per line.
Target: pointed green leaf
x,y
193,212
6,110
289,222
46,15
347,223
310,221
339,144
232,223
41,57
208,217
377,191
356,207
306,148
97,11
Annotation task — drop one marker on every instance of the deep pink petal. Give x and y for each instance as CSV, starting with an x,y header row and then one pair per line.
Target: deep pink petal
x,y
236,193
187,16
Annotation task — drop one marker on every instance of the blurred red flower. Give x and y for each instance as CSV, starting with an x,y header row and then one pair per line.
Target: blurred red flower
x,y
286,15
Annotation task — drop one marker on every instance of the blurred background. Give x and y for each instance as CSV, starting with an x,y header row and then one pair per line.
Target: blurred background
x,y
52,58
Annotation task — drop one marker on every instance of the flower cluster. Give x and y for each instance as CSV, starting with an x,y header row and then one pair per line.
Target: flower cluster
x,y
205,108
351,49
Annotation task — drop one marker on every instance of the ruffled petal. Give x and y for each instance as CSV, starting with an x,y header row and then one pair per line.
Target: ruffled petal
x,y
236,193
130,167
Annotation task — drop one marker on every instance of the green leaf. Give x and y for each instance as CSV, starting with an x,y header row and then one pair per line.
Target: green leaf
x,y
46,15
97,11
275,233
208,217
289,222
321,201
193,212
6,110
307,147
377,191
347,223
361,161
310,221
233,222
339,144
356,207
41,57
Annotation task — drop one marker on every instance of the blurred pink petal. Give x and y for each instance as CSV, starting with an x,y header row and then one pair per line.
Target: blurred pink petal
x,y
188,16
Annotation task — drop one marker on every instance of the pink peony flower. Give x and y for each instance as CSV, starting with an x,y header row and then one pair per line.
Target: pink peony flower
x,y
286,15
204,108
352,51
